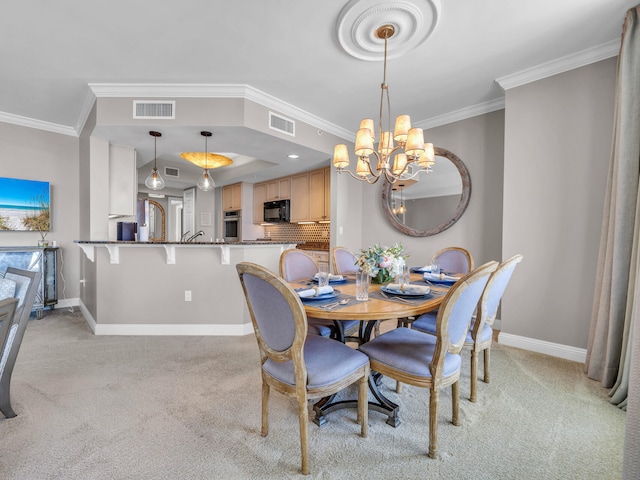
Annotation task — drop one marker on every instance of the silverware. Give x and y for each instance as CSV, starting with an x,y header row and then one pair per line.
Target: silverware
x,y
397,299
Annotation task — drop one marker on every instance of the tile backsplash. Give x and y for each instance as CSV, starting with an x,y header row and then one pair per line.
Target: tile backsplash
x,y
293,232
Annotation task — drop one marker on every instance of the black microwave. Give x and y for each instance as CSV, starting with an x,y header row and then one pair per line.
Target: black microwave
x,y
276,212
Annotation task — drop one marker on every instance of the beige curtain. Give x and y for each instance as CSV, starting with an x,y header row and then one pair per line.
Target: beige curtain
x,y
613,353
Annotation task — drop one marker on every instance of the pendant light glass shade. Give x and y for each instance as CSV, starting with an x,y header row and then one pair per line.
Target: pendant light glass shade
x,y
154,181
206,183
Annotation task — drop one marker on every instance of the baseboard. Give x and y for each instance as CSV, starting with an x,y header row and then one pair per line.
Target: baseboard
x,y
548,348
163,329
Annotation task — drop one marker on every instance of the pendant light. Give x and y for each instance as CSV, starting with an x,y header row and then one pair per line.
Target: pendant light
x,y
206,183
154,181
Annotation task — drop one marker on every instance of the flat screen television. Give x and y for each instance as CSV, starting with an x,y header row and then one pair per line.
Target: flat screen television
x,y
24,205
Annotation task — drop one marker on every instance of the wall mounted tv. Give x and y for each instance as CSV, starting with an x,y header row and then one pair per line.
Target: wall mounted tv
x,y
24,205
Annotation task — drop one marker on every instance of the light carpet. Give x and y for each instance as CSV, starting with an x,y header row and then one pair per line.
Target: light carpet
x,y
118,407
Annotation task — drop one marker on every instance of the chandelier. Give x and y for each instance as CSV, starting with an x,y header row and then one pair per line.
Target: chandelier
x,y
402,161
206,160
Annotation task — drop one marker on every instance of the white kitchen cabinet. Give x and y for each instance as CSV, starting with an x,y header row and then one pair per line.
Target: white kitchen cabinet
x,y
123,180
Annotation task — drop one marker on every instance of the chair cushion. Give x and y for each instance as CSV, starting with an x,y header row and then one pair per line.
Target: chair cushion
x,y
319,326
427,323
409,351
7,288
327,361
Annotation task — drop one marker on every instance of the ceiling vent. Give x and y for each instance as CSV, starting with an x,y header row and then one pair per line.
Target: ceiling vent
x,y
171,172
151,110
281,124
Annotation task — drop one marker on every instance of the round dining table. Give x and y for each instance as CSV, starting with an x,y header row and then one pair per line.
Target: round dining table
x,y
380,306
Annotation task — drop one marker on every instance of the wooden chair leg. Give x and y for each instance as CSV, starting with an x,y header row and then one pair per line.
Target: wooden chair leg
x,y
303,417
455,402
265,408
398,386
487,354
5,403
433,422
363,404
474,375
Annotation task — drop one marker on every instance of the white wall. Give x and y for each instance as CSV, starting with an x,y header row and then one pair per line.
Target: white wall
x,y
557,144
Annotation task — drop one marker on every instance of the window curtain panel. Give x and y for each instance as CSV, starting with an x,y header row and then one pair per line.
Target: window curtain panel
x,y
613,352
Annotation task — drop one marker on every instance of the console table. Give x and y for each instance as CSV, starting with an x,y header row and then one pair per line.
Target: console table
x,y
35,259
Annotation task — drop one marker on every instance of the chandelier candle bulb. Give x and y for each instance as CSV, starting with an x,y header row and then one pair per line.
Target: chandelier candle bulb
x,y
401,130
364,142
386,143
340,156
368,123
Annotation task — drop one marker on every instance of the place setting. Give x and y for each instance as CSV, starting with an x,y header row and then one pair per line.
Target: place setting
x,y
325,297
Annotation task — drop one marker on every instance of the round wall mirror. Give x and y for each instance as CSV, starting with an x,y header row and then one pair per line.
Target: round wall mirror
x,y
429,204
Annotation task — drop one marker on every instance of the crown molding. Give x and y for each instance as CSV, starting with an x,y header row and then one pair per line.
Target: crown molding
x,y
217,91
462,114
37,124
560,65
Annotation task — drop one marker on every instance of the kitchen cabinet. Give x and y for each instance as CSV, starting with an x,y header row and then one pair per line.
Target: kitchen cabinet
x,y
320,195
259,197
123,180
232,197
300,198
320,256
279,189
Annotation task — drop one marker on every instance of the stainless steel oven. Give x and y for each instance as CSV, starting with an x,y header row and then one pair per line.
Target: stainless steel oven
x,y
232,226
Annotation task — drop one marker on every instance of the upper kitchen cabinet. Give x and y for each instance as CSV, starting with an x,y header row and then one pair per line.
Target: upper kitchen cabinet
x,y
320,195
259,197
123,180
300,198
232,197
279,189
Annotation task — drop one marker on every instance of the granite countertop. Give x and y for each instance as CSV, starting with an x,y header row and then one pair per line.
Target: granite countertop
x,y
126,242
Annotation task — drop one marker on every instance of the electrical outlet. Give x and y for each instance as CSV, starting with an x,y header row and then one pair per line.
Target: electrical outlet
x,y
187,295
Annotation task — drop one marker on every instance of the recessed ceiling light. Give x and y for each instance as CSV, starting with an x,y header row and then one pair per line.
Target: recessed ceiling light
x,y
293,156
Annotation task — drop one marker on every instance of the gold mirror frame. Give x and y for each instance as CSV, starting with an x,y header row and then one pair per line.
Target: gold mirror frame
x,y
160,208
462,204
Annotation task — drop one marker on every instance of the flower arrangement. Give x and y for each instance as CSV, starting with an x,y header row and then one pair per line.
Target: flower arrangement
x,y
383,264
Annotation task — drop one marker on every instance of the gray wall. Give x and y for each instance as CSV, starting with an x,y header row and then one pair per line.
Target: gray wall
x,y
557,147
33,154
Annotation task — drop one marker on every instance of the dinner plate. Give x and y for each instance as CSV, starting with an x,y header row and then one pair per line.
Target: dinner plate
x,y
419,270
331,282
324,296
391,291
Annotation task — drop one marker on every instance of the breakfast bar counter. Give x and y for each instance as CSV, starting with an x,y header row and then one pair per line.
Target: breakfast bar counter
x,y
169,288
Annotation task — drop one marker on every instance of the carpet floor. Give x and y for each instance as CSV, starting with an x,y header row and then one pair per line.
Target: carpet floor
x,y
125,407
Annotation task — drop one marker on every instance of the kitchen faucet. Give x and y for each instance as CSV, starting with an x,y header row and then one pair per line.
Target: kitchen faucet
x,y
195,235
184,236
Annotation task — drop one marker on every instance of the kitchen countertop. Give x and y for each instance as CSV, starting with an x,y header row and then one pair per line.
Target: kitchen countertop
x,y
126,242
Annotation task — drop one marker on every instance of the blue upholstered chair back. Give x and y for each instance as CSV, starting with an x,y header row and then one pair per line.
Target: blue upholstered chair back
x,y
297,265
460,303
272,312
277,314
344,261
498,284
453,260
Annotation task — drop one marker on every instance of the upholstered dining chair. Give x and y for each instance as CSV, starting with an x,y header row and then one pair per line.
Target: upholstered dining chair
x,y
432,362
453,260
480,335
299,265
344,261
26,285
294,363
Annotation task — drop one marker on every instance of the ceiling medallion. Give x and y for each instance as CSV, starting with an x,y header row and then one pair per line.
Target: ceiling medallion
x,y
413,21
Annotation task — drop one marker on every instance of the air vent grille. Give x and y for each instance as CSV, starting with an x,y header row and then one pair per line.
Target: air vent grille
x,y
281,124
150,110
171,172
